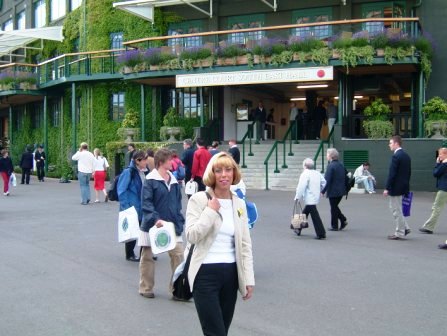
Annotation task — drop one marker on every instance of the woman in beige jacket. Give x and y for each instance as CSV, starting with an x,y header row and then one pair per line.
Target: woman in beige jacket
x,y
222,260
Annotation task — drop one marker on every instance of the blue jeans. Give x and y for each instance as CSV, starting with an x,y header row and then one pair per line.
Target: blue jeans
x,y
367,182
84,183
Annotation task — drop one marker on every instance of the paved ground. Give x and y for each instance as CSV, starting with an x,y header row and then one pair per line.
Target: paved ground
x,y
62,272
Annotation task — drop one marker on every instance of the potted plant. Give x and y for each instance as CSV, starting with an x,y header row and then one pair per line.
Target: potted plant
x,y
26,81
231,55
377,124
171,128
435,113
7,81
129,59
129,126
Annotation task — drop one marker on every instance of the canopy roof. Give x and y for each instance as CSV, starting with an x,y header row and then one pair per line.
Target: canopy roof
x,y
145,8
15,39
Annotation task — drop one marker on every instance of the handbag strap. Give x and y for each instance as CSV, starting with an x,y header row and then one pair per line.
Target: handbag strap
x,y
297,202
191,248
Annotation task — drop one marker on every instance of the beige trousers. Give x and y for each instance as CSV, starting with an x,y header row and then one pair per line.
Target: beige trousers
x,y
147,267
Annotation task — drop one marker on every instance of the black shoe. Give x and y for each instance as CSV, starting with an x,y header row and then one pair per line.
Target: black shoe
x,y
425,231
133,258
22,182
154,258
320,237
443,246
407,231
343,225
297,231
332,229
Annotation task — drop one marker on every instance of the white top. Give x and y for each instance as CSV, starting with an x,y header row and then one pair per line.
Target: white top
x,y
101,163
293,113
241,185
86,161
309,186
222,250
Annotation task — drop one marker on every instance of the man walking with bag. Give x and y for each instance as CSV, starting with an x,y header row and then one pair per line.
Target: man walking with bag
x,y
397,185
86,163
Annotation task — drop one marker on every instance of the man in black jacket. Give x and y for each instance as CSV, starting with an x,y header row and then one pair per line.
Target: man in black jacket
x,y
397,185
261,118
234,151
187,157
26,163
40,157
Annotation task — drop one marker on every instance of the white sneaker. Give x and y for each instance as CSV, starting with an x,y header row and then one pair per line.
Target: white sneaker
x,y
6,193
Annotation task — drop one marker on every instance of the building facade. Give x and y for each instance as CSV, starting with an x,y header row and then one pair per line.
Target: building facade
x,y
214,61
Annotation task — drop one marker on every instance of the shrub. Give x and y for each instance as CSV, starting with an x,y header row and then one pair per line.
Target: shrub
x,y
131,119
378,110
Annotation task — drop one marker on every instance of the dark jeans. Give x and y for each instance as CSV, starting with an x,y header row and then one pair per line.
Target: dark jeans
x,y
25,175
40,172
200,184
336,213
215,294
316,220
129,246
318,125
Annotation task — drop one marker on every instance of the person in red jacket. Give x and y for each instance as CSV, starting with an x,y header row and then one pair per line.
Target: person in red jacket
x,y
199,162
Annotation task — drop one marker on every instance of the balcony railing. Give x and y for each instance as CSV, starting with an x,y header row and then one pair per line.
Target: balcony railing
x,y
273,45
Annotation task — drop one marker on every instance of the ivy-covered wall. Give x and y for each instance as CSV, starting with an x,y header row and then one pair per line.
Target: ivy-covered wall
x,y
90,29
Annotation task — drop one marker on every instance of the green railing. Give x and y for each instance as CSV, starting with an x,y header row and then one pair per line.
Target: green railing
x,y
80,64
274,149
321,151
248,135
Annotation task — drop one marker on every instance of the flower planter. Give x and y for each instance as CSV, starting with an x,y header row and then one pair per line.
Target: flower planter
x,y
225,61
259,59
172,132
380,52
204,63
127,69
27,86
242,60
154,67
335,54
129,134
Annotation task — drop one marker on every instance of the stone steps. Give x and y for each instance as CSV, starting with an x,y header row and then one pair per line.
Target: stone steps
x,y
287,178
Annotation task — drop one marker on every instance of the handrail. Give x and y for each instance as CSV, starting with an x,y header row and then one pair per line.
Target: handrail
x,y
289,26
321,149
81,53
274,149
18,64
248,134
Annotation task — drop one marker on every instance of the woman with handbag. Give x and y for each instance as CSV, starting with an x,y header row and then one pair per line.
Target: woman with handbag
x,y
6,169
222,260
309,188
130,184
100,174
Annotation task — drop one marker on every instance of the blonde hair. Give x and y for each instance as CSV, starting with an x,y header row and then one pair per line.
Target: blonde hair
x,y
97,152
221,159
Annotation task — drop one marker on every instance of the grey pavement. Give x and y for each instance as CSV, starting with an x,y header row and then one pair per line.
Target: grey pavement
x,y
62,272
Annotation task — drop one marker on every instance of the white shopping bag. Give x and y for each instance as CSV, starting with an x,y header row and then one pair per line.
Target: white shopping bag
x,y
128,225
13,180
162,239
191,187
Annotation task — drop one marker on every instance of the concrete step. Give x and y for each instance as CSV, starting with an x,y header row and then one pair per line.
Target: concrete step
x,y
286,178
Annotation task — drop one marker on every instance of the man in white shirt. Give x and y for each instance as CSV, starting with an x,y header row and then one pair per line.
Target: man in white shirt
x,y
363,175
86,163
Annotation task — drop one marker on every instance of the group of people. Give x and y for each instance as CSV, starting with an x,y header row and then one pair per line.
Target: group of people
x,y
312,185
30,157
91,164
216,227
301,120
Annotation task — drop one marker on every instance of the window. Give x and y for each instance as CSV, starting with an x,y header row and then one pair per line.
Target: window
x,y
117,107
187,101
242,22
39,14
8,25
310,16
19,120
58,9
21,20
36,115
382,10
56,112
189,27
75,4
116,40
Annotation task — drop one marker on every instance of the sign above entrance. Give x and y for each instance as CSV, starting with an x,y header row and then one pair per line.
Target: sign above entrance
x,y
255,77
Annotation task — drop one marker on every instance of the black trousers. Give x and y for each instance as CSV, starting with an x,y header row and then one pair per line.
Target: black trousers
x,y
316,220
25,175
129,246
336,213
215,294
40,172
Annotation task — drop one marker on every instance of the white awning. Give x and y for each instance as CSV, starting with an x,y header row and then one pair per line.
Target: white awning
x,y
15,39
145,8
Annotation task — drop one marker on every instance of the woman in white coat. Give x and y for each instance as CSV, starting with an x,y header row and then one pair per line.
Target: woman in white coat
x,y
222,260
309,188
